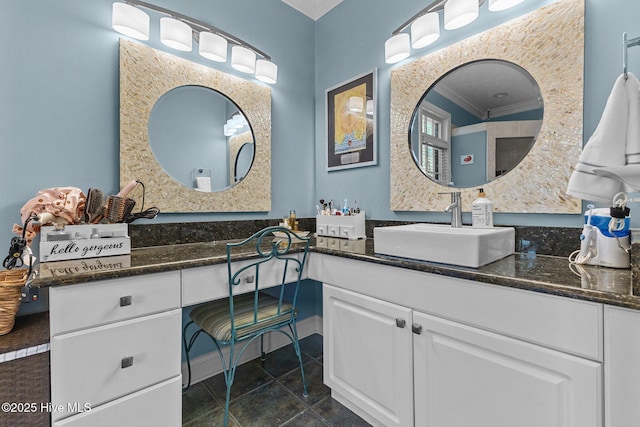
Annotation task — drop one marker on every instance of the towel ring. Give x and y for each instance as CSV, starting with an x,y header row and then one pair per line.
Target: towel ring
x,y
626,44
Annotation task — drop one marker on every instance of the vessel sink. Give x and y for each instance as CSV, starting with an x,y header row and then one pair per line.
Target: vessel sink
x,y
466,246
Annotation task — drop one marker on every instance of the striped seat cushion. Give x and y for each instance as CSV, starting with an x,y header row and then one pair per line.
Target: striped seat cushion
x,y
214,317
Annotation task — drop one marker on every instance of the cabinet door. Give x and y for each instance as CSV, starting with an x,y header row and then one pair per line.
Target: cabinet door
x,y
468,377
368,357
622,367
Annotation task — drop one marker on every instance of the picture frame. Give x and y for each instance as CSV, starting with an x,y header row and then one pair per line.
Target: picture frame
x,y
351,123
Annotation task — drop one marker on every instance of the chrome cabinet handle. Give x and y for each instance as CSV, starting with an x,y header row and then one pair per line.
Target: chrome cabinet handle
x,y
401,323
125,301
126,362
416,329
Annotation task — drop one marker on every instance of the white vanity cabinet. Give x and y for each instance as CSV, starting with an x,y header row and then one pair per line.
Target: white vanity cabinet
x,y
622,368
367,355
407,348
468,377
115,352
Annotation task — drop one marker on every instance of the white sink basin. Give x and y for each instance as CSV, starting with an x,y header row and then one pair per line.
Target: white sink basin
x,y
466,246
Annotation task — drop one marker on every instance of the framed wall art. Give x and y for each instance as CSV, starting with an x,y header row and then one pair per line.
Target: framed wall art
x,y
351,123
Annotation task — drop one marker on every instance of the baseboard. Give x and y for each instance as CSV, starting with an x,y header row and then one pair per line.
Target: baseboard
x,y
208,365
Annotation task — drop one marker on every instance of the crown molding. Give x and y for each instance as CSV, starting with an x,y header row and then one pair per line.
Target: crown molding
x,y
314,9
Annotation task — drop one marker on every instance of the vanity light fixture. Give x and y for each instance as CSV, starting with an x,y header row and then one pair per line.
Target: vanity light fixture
x,y
266,71
425,25
178,32
175,34
229,130
130,21
213,46
397,48
243,59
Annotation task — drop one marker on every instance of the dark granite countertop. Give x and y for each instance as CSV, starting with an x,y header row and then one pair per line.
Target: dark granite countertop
x,y
538,273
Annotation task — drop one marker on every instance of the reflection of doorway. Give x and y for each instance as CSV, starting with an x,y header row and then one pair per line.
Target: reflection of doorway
x,y
510,152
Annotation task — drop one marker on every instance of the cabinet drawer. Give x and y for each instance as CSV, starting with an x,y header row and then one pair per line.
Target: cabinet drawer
x,y
159,405
87,305
104,363
347,231
211,282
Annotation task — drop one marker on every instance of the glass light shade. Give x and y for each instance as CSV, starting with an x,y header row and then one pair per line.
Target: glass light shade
x,y
243,59
175,34
266,71
370,107
229,130
356,104
213,46
425,30
130,21
237,121
397,48
497,5
458,13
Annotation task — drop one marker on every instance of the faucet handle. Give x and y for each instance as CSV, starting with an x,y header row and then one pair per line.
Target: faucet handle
x,y
455,195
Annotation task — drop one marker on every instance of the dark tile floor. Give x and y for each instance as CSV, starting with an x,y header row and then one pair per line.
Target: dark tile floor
x,y
269,394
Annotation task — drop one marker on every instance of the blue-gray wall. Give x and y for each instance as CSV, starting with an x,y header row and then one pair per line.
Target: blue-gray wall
x,y
469,174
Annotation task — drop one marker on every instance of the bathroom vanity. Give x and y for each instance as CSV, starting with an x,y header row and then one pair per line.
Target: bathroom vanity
x,y
406,343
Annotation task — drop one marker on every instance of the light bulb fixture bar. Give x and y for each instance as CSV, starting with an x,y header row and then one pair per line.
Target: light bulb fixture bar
x,y
425,25
178,31
197,26
436,6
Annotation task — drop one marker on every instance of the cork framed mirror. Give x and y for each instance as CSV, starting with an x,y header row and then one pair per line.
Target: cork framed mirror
x,y
146,76
549,44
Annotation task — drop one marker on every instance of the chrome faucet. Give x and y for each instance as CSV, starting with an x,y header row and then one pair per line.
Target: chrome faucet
x,y
455,209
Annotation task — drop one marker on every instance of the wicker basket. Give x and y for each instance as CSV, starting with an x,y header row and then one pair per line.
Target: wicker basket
x,y
11,283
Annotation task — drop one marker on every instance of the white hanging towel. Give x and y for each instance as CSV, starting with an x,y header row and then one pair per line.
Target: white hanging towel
x,y
615,144
203,183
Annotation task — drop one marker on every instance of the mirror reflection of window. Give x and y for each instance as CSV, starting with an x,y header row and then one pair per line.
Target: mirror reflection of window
x,y
476,123
435,128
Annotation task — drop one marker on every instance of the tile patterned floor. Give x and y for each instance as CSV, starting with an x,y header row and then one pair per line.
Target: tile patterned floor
x,y
269,394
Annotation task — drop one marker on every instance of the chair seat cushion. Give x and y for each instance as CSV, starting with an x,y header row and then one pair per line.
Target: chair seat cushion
x,y
215,319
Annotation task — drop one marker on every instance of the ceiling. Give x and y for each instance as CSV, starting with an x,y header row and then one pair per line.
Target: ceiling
x,y
491,88
314,9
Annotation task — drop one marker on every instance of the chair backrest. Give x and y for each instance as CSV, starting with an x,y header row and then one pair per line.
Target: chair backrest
x,y
280,254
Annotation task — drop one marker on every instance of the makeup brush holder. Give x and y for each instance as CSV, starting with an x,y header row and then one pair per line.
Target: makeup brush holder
x,y
84,241
350,227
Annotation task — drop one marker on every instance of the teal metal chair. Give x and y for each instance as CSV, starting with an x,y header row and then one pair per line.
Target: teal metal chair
x,y
236,322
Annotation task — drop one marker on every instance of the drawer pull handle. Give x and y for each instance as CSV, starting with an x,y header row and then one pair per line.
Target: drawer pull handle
x,y
401,323
416,329
126,362
125,301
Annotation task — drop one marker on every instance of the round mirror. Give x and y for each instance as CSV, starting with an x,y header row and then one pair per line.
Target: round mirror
x,y
196,135
476,123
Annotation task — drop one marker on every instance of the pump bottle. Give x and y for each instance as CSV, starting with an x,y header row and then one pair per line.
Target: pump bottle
x,y
482,211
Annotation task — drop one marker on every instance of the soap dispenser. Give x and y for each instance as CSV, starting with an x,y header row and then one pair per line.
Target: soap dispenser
x,y
482,211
